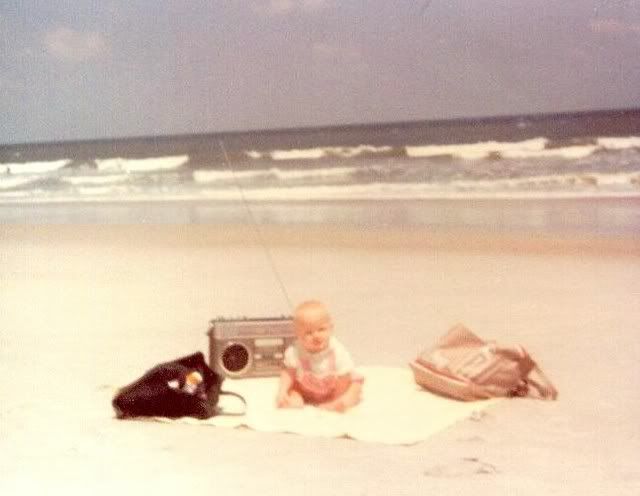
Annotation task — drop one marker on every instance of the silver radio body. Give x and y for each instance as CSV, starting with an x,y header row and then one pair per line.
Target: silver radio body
x,y
246,347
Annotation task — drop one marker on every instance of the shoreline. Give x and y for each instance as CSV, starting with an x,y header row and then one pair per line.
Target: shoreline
x,y
350,237
499,197
606,218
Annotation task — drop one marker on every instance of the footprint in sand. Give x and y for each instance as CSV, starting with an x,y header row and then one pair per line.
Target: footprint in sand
x,y
462,468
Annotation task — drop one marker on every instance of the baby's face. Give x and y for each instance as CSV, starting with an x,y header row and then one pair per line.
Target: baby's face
x,y
313,330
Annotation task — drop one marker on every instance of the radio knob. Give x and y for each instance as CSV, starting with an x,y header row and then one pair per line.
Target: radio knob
x,y
258,356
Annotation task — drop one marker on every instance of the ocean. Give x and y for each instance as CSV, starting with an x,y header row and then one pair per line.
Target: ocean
x,y
574,172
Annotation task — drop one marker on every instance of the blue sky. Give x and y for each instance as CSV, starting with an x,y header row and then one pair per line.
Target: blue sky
x,y
96,69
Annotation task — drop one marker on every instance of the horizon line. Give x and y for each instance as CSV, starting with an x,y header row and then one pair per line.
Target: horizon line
x,y
345,126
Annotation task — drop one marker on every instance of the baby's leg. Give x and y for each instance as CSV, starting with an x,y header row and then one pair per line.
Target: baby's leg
x,y
352,394
347,394
342,386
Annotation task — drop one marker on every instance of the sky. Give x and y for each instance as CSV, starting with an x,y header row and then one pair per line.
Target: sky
x,y
74,69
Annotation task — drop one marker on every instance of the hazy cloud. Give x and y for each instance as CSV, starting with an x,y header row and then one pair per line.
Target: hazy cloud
x,y
614,26
285,7
75,46
286,63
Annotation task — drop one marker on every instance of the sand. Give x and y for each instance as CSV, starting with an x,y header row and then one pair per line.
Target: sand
x,y
87,308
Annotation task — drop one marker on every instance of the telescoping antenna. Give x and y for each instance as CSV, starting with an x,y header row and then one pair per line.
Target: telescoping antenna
x,y
256,226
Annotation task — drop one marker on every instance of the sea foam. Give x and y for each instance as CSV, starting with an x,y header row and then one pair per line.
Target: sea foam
x,y
225,175
568,186
471,151
567,152
322,152
33,167
95,180
619,143
142,164
8,182
276,173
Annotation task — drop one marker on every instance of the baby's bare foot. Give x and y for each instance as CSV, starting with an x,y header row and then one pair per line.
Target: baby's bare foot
x,y
291,400
334,406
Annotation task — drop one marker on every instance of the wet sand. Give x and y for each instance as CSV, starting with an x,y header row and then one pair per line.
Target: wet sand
x,y
89,307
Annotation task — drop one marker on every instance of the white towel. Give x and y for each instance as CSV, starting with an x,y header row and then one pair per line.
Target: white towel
x,y
394,410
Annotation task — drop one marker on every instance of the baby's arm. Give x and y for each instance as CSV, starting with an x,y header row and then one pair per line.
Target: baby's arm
x,y
286,381
287,396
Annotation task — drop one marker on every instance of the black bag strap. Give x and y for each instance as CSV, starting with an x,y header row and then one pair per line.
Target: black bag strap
x,y
219,411
541,386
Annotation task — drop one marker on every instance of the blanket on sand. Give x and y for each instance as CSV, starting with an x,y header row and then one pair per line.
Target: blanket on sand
x,y
394,410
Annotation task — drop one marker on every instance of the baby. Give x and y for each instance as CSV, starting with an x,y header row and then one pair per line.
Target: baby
x,y
318,370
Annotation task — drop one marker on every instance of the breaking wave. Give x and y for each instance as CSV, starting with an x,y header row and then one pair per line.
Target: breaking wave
x,y
585,166
320,152
619,143
532,148
33,167
473,151
528,149
567,152
142,164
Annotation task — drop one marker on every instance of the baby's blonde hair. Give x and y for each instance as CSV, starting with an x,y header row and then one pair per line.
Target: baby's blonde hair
x,y
309,306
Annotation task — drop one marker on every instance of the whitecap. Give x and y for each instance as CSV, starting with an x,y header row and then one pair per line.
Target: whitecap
x,y
474,151
619,143
142,164
567,152
327,151
34,167
308,154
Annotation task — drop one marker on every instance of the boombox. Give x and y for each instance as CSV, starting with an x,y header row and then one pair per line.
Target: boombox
x,y
240,348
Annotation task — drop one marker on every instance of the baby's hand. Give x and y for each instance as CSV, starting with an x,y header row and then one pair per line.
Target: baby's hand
x,y
287,400
282,400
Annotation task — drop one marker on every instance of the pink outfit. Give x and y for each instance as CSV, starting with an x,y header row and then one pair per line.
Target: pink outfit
x,y
316,374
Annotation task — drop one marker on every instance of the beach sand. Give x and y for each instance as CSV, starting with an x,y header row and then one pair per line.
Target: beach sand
x,y
86,308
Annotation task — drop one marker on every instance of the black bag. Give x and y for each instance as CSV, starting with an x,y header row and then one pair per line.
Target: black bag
x,y
161,392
